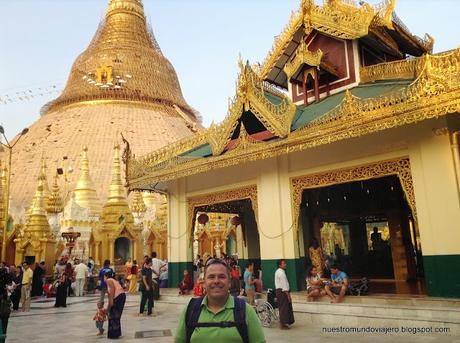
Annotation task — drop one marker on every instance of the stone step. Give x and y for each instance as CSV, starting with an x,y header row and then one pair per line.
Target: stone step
x,y
434,314
383,299
356,314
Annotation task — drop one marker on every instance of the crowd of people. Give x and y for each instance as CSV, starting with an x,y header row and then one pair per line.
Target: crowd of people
x,y
216,282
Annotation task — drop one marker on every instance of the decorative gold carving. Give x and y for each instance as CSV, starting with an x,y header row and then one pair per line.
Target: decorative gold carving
x,y
399,167
249,192
138,204
303,56
405,69
434,93
384,12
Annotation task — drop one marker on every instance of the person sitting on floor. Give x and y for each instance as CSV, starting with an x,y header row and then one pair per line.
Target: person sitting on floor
x,y
314,284
186,285
338,286
198,290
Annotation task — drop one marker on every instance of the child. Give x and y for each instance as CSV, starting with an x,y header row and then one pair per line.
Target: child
x,y
100,317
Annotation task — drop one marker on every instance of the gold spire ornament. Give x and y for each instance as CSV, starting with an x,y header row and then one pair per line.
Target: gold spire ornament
x,y
138,204
55,202
85,193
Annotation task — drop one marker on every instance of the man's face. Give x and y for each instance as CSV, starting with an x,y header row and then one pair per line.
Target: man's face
x,y
283,264
25,266
217,280
334,270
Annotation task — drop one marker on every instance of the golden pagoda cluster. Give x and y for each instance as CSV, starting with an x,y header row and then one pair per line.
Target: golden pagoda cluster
x,y
52,213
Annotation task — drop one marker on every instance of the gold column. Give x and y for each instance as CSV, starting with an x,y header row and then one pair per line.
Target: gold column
x,y
97,246
135,247
111,250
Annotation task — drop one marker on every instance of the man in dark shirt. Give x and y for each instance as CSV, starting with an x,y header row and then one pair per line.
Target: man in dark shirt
x,y
102,283
146,287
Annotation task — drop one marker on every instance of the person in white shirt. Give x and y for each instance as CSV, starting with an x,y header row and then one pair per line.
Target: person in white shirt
x,y
81,271
157,264
283,296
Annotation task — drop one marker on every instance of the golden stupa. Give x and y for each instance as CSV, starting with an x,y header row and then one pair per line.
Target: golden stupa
x,y
121,84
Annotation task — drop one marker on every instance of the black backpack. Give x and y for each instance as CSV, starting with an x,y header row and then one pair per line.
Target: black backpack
x,y
239,319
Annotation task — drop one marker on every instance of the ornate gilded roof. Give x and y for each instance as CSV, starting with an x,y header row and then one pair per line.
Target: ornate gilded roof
x,y
123,62
344,19
434,92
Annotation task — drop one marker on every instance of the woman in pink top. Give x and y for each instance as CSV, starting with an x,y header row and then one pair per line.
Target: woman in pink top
x,y
117,298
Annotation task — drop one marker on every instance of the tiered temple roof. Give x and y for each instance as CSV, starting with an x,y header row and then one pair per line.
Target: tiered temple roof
x,y
263,121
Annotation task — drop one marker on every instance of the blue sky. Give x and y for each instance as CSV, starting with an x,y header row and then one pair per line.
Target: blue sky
x,y
40,39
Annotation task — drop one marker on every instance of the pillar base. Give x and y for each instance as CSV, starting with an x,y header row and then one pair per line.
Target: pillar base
x,y
176,272
441,275
295,273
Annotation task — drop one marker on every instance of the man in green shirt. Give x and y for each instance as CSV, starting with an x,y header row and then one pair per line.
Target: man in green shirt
x,y
218,307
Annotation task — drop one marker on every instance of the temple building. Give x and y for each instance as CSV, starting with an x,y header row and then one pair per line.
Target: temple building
x,y
120,87
347,133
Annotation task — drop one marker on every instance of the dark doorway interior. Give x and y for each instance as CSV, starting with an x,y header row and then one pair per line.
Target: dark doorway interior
x,y
366,227
123,249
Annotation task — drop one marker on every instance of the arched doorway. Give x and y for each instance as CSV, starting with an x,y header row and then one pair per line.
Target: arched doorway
x,y
123,249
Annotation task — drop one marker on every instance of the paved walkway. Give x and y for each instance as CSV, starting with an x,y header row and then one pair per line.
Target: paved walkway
x,y
45,324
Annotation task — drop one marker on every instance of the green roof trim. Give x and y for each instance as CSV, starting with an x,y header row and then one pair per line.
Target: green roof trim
x,y
306,114
200,151
274,99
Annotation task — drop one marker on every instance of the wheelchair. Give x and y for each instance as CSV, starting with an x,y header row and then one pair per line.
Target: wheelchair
x,y
266,310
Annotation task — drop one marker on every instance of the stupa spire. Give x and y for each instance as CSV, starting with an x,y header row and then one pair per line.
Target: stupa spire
x,y
117,192
39,200
85,193
116,210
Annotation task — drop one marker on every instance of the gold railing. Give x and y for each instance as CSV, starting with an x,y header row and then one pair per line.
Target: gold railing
x,y
405,69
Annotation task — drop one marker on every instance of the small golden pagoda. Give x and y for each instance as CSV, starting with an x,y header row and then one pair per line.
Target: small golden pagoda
x,y
85,193
118,237
38,241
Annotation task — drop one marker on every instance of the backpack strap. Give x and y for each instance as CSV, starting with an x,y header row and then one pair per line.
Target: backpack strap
x,y
239,315
192,315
